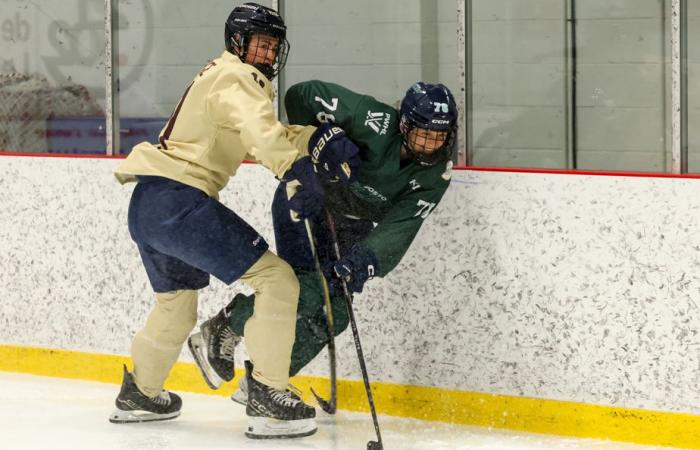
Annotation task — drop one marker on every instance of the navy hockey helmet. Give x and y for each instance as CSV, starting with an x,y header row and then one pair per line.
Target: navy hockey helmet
x,y
429,107
249,19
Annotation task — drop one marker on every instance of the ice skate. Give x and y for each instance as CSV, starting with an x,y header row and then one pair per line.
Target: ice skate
x,y
213,348
274,413
134,406
241,394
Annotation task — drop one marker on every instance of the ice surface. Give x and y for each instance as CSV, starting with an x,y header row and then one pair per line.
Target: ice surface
x,y
50,413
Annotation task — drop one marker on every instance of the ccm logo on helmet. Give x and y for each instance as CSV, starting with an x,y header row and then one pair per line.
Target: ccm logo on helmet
x,y
440,121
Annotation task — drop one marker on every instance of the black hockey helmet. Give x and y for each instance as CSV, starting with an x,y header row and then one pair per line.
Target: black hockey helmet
x,y
429,107
249,19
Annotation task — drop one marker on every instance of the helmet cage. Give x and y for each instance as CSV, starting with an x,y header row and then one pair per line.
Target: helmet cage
x,y
241,48
250,19
437,156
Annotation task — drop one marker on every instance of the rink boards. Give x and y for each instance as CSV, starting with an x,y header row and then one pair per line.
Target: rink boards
x,y
552,303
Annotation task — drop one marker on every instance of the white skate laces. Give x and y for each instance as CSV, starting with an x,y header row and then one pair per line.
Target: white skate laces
x,y
162,399
285,398
241,395
228,343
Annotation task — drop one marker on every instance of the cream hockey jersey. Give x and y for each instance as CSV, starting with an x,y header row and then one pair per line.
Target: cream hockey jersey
x,y
224,117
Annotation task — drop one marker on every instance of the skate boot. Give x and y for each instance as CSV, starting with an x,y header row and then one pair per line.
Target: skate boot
x,y
134,406
213,348
274,413
241,394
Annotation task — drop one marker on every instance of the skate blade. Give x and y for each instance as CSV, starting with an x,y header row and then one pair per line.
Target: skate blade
x,y
198,350
119,416
268,428
240,397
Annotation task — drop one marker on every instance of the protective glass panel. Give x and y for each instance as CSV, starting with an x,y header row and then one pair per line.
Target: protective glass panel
x,y
375,48
519,98
52,76
623,85
570,84
161,47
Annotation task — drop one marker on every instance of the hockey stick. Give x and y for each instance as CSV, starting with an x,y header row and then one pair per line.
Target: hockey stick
x,y
328,406
371,445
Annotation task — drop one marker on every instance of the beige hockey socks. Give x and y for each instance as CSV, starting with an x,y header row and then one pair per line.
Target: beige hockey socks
x,y
269,333
157,345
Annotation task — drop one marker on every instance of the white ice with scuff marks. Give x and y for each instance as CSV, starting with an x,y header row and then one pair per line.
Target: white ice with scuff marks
x,y
40,413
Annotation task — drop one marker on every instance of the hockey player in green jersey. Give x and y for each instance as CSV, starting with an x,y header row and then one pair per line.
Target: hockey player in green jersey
x,y
405,170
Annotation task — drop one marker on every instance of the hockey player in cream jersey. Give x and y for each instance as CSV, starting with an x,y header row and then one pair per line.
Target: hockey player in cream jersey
x,y
184,234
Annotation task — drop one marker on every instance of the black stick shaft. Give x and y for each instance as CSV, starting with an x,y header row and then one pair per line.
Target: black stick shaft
x,y
355,333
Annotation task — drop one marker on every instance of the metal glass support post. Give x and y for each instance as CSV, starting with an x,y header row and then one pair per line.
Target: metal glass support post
x,y
277,104
676,86
684,86
464,67
111,77
570,99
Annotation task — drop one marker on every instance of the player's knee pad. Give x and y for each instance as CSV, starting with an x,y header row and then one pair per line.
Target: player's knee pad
x,y
175,315
273,278
285,285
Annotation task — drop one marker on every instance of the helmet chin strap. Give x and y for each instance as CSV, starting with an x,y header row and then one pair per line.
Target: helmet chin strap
x,y
238,47
265,69
430,160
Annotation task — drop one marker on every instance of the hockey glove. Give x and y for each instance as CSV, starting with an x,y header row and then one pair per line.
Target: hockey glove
x,y
357,267
304,191
334,155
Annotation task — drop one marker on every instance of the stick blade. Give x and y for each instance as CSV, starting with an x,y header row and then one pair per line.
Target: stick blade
x,y
325,405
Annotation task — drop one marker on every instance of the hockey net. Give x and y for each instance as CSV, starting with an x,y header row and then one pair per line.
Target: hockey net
x,y
27,101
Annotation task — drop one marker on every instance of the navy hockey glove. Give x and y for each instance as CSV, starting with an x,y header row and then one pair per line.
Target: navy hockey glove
x,y
304,191
357,267
335,156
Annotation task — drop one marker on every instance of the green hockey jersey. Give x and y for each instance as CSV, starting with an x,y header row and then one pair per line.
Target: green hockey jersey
x,y
396,195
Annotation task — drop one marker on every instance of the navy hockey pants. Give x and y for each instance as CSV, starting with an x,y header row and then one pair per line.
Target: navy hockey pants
x,y
184,235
